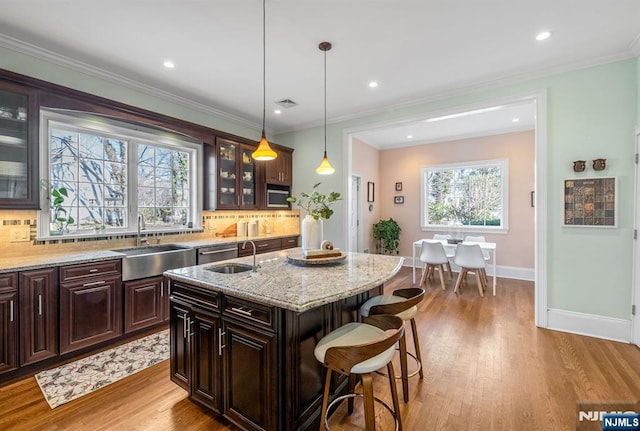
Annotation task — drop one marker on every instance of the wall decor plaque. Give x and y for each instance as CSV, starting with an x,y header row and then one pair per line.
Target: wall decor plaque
x,y
590,202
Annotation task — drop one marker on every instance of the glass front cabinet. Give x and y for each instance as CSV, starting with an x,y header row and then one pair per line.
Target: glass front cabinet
x,y
236,175
18,147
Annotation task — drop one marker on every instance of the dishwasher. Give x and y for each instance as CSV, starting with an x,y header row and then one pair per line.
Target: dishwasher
x,y
216,253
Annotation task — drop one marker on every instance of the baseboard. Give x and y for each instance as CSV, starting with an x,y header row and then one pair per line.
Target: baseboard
x,y
513,272
590,325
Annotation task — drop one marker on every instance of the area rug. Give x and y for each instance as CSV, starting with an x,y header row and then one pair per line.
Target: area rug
x,y
68,382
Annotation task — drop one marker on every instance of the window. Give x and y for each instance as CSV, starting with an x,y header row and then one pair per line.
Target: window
x,y
466,196
114,171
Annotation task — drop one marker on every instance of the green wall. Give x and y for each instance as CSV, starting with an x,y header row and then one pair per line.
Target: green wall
x,y
591,113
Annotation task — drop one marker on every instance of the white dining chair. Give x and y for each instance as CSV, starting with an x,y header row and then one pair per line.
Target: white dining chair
x,y
433,256
469,258
450,251
480,238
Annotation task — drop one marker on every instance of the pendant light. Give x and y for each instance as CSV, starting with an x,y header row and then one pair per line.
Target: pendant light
x,y
325,167
264,151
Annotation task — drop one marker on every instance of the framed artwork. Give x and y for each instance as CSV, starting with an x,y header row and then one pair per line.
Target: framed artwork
x,y
398,187
590,202
398,199
370,191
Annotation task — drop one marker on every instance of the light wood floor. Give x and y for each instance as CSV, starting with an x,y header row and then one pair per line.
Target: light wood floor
x,y
487,367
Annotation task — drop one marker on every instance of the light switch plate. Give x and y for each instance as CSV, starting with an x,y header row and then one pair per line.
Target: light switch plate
x,y
19,234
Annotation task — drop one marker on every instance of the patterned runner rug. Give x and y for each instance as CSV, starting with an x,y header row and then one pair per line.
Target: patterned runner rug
x,y
73,380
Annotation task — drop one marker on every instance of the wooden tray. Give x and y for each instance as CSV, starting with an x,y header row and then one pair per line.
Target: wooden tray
x,y
298,259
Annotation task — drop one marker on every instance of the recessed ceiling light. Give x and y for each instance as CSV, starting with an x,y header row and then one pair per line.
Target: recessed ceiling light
x,y
543,35
409,136
515,120
373,84
277,112
169,64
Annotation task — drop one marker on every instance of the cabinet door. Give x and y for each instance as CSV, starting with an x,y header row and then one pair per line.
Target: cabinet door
x,y
250,376
90,312
204,336
236,176
38,315
143,303
18,147
179,314
279,171
8,323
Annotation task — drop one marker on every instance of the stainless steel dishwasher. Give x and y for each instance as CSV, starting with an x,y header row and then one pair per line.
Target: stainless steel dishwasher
x,y
216,253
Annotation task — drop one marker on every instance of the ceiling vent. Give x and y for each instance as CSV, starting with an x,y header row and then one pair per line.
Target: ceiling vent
x,y
287,103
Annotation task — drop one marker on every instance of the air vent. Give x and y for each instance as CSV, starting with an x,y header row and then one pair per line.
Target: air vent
x,y
287,103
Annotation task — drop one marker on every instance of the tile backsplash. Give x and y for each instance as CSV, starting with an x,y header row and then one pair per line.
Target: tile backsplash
x,y
18,231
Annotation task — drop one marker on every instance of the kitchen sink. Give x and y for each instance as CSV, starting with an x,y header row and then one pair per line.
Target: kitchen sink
x,y
230,268
151,261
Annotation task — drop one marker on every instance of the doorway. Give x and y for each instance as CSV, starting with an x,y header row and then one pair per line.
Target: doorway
x,y
538,100
635,297
355,214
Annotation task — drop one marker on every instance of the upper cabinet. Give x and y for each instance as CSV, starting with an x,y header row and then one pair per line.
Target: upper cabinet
x,y
279,171
236,175
18,147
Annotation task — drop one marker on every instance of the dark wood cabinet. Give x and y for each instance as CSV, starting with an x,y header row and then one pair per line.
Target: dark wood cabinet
x,y
38,294
90,304
280,170
144,303
267,245
180,347
236,175
18,146
8,322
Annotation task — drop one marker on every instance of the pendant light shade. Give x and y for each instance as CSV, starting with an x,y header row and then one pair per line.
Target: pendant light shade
x,y
264,150
325,167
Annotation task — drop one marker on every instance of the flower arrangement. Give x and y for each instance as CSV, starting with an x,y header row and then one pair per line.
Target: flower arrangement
x,y
317,204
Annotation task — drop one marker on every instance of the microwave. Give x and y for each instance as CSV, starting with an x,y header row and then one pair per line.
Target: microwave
x,y
277,198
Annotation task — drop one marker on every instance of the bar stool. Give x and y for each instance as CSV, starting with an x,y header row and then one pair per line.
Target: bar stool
x,y
403,304
360,349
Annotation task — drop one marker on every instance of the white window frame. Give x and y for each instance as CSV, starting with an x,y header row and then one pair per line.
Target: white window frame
x,y
424,171
134,133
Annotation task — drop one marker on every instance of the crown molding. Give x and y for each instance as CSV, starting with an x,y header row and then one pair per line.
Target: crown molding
x,y
87,69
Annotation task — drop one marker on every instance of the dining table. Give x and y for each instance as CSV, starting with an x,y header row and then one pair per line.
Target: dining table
x,y
489,247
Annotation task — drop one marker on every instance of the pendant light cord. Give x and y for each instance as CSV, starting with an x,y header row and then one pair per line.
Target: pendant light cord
x,y
325,103
264,65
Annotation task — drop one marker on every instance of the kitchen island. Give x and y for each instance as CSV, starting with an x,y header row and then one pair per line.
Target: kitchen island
x,y
242,344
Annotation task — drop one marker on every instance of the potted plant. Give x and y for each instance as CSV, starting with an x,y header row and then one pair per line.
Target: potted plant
x,y
59,213
387,232
318,206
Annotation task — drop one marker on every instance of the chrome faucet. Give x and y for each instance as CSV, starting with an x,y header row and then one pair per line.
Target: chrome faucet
x,y
141,226
255,268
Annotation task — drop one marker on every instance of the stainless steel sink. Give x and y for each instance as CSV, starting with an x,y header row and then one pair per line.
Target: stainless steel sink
x,y
230,268
143,262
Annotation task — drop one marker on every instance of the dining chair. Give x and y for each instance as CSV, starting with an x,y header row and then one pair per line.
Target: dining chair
x,y
403,303
469,258
479,238
433,256
450,251
360,349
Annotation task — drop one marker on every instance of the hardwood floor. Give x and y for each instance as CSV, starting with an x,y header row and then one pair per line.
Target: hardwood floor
x,y
487,367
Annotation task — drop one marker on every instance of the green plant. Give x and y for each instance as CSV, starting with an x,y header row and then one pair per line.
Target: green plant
x,y
388,233
60,217
318,205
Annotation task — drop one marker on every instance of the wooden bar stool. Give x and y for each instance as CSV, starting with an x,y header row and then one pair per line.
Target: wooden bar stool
x,y
361,349
403,304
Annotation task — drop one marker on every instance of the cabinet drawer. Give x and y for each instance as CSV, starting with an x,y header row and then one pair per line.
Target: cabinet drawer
x,y
262,246
207,299
247,311
84,270
8,282
289,242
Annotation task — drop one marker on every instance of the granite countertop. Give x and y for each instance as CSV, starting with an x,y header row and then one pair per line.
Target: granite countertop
x,y
298,288
26,263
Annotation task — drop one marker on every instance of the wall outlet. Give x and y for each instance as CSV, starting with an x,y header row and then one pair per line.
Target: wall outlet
x,y
211,225
19,234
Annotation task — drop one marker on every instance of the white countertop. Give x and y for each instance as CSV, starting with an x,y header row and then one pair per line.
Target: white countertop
x,y
293,287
